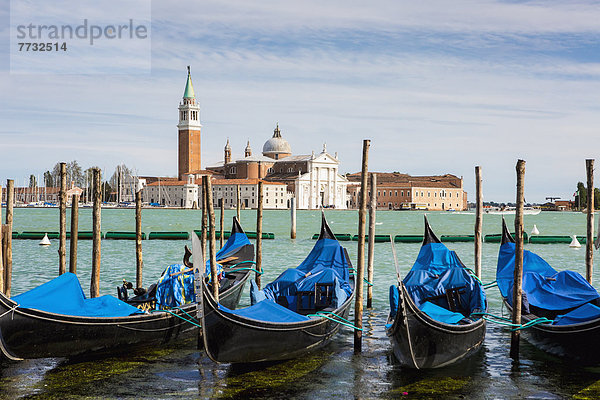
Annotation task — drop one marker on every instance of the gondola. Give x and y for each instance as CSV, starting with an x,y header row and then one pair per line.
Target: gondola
x,y
435,318
561,309
298,312
56,320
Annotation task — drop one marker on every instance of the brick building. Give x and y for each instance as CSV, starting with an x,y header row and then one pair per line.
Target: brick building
x,y
396,191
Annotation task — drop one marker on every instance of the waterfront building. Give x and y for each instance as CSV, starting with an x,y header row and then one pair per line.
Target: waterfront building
x,y
275,194
171,192
37,194
314,180
396,191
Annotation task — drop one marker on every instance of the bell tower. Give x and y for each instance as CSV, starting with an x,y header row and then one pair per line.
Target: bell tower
x,y
189,131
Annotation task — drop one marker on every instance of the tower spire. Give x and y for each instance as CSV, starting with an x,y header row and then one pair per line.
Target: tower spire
x,y
189,88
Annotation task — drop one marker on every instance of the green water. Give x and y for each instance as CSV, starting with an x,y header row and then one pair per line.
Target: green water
x,y
183,371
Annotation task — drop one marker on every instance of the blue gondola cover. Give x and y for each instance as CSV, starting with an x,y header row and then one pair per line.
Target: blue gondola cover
x,y
543,285
438,269
586,312
63,295
267,310
325,265
441,314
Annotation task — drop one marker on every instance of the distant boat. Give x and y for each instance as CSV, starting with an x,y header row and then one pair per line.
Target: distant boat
x,y
511,210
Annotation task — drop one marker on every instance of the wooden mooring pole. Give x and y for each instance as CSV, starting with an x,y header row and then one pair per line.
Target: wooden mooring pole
x,y
293,217
139,261
259,221
360,264
62,207
10,202
238,203
212,240
371,252
203,234
74,233
589,245
518,273
221,223
1,247
97,235
478,221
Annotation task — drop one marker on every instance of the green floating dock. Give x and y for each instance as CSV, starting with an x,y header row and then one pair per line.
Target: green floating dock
x,y
497,237
408,238
555,239
169,235
378,238
265,235
53,235
15,235
226,234
342,237
457,238
117,235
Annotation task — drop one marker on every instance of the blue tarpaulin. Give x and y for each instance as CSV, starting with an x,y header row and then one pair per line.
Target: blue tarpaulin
x,y
441,314
63,295
437,270
325,264
325,267
586,312
543,286
175,290
267,310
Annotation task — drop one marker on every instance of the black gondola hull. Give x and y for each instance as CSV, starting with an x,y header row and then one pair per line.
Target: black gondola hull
x,y
29,333
428,343
231,338
576,342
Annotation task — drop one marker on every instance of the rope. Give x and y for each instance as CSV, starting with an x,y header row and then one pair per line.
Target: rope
x,y
243,269
179,316
472,273
537,321
367,282
508,322
243,262
490,285
10,310
323,314
186,313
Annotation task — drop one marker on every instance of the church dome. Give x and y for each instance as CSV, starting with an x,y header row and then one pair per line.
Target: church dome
x,y
276,145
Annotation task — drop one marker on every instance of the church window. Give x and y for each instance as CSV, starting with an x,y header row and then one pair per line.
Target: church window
x,y
270,170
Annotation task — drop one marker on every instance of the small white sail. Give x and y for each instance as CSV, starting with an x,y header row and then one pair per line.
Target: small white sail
x,y
575,243
45,241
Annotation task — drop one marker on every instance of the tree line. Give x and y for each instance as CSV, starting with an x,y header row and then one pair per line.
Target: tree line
x,y
82,178
581,199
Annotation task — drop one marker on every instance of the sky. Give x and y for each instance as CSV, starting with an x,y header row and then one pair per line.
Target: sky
x,y
438,87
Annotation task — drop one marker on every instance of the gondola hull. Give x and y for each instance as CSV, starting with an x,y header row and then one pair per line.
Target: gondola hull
x,y
419,341
576,342
230,338
29,333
